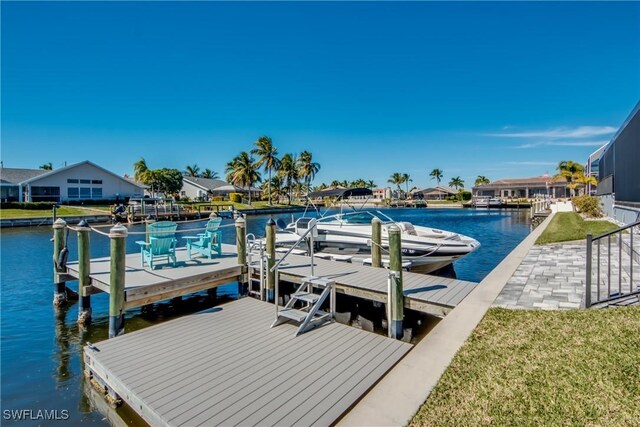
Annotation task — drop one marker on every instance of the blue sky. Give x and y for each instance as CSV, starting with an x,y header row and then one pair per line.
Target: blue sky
x,y
496,89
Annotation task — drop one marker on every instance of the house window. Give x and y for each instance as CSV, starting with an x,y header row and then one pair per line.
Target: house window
x,y
73,192
85,181
72,181
85,192
96,193
96,181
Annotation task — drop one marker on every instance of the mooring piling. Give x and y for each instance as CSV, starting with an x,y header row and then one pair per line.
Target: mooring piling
x,y
118,236
396,296
376,242
59,261
84,271
271,259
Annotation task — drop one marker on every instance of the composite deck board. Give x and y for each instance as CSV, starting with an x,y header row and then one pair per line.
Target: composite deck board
x,y
189,276
252,375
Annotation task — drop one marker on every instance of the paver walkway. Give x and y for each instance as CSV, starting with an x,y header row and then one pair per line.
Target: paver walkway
x,y
550,277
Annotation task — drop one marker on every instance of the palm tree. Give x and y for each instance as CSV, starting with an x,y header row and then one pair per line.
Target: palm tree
x,y
437,174
358,183
482,180
406,179
209,174
47,166
242,171
456,183
307,168
397,179
288,172
586,180
267,158
371,184
140,170
273,187
569,170
193,171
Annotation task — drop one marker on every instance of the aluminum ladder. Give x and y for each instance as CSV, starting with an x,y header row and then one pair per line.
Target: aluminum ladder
x,y
310,315
254,266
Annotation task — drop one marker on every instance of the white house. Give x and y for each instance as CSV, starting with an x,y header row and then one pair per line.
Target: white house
x,y
80,181
205,188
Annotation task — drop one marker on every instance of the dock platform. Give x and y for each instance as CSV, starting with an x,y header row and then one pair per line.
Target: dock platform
x,y
425,293
226,366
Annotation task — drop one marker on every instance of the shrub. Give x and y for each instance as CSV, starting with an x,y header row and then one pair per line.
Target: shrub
x,y
217,199
235,197
466,195
588,205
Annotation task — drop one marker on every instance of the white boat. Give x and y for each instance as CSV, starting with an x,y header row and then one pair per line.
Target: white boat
x,y
426,249
487,202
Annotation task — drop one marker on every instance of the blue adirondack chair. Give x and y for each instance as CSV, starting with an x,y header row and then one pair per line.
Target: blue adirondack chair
x,y
161,245
206,243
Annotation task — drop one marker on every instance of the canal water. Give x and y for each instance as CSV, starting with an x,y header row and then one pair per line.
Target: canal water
x,y
41,346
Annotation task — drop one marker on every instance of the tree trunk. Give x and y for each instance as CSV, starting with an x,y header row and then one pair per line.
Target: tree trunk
x,y
269,187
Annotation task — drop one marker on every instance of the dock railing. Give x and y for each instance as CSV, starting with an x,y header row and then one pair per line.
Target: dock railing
x,y
539,207
616,256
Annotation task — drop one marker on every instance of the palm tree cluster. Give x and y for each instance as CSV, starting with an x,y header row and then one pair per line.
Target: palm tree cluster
x,y
194,171
292,173
357,183
398,179
482,180
573,173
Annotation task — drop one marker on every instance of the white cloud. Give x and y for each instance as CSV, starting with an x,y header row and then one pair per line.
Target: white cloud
x,y
561,132
563,144
532,163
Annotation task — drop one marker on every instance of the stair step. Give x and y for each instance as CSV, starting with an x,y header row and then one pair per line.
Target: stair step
x,y
318,281
306,297
299,315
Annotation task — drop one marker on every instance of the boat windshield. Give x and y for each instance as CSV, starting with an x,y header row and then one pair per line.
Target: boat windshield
x,y
354,218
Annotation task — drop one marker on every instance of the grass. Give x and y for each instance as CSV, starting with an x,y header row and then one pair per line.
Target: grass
x,y
566,226
28,213
577,367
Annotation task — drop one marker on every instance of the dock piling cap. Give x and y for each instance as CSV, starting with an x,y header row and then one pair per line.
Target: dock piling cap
x,y
60,223
84,225
118,230
271,222
240,222
393,229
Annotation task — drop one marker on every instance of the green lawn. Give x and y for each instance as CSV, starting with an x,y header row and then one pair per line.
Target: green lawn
x,y
62,211
566,226
577,367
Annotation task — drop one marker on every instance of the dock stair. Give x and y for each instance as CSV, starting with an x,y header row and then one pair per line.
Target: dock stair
x,y
311,294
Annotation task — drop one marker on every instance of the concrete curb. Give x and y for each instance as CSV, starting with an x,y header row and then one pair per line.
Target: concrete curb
x,y
398,396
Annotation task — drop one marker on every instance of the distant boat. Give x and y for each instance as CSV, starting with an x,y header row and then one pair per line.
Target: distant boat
x,y
487,202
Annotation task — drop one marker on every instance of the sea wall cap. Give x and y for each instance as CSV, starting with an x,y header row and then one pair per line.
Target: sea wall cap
x,y
60,223
118,230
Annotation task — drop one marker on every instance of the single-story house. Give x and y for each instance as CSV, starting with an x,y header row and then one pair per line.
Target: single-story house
x,y
205,188
439,192
537,186
80,181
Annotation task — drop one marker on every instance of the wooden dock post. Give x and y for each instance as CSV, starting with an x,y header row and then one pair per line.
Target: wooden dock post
x,y
396,295
84,267
59,261
241,247
118,235
376,242
271,259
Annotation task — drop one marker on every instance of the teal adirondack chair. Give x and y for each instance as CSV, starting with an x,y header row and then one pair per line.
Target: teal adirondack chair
x,y
161,245
207,243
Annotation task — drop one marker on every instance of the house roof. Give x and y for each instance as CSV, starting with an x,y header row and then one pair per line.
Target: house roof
x,y
537,181
438,189
16,176
86,162
204,183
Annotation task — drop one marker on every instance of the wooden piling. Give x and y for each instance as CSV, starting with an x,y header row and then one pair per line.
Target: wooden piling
x,y
271,259
84,270
118,235
396,296
59,259
376,242
241,240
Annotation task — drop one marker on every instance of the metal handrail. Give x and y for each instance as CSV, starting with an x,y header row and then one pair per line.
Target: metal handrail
x,y
589,265
272,269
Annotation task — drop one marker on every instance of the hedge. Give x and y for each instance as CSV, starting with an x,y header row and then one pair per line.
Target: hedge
x,y
235,197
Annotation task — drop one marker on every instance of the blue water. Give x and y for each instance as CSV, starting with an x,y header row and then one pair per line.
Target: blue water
x,y
41,346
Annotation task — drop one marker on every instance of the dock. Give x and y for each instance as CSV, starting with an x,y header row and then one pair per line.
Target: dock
x,y
226,366
425,293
